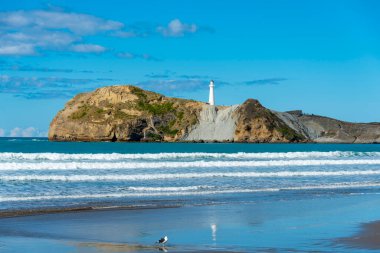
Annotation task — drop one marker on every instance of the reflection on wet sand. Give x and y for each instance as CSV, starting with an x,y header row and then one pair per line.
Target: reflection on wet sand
x,y
308,225
213,231
367,238
121,247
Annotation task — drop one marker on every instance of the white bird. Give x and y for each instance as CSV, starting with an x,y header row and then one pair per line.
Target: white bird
x,y
163,240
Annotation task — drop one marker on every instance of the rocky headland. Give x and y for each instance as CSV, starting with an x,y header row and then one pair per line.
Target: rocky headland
x,y
128,113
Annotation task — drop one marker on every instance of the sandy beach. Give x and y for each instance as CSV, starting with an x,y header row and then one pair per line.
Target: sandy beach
x,y
315,224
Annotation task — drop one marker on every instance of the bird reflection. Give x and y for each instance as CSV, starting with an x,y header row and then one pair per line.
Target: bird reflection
x,y
163,249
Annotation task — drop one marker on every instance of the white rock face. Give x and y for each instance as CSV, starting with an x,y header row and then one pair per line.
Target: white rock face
x,y
214,125
294,123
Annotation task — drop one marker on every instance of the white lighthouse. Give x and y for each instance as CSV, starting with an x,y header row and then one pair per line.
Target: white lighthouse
x,y
211,99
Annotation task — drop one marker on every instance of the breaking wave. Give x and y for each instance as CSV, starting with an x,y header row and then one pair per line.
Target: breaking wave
x,y
161,156
139,177
44,179
169,189
185,191
194,164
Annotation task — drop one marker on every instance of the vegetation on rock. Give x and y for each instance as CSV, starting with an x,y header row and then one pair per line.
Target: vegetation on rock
x,y
127,113
258,124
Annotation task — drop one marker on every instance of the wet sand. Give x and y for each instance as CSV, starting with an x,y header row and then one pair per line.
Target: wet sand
x,y
368,237
307,225
32,212
115,247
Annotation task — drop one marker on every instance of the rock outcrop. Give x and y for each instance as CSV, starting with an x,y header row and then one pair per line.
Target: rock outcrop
x,y
124,113
256,123
128,113
328,130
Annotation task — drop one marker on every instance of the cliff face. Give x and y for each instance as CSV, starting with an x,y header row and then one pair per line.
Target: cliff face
x,y
215,124
256,123
124,113
128,113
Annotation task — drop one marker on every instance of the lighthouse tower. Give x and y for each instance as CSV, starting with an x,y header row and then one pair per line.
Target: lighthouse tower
x,y
211,99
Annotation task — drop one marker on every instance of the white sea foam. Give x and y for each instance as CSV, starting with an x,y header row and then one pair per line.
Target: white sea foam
x,y
169,189
176,165
199,155
185,192
118,195
141,177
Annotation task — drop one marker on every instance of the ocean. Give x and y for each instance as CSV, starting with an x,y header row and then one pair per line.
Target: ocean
x,y
38,174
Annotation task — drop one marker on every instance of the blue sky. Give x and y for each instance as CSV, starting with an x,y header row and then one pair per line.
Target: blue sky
x,y
319,56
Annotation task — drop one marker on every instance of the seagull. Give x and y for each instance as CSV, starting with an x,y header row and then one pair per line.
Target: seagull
x,y
163,240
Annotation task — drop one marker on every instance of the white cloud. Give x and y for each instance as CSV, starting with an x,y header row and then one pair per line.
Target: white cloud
x,y
2,132
176,28
27,42
51,19
15,132
35,87
171,86
27,132
20,49
128,55
125,55
27,32
88,48
124,34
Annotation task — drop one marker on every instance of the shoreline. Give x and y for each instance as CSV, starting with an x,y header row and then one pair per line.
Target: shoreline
x,y
186,142
238,198
58,210
305,225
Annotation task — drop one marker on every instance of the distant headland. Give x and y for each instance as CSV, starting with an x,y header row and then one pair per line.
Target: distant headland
x,y
128,113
